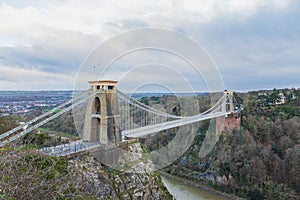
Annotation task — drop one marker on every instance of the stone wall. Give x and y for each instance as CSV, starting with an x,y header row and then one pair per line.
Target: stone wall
x,y
230,123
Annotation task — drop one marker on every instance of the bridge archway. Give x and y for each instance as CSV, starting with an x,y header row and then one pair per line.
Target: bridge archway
x,y
96,119
97,106
95,128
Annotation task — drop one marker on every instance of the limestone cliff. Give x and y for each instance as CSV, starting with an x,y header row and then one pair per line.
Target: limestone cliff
x,y
28,174
142,182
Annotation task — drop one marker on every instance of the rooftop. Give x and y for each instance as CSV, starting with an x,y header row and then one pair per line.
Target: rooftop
x,y
103,82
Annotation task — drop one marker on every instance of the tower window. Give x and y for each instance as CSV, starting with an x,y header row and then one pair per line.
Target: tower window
x,y
110,87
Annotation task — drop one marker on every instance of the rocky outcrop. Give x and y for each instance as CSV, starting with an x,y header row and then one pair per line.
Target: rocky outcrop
x,y
141,182
28,174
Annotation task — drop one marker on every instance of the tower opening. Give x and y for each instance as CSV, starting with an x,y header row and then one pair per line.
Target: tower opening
x,y
110,87
95,129
97,107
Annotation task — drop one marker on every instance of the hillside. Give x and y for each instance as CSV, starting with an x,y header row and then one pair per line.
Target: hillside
x,y
261,160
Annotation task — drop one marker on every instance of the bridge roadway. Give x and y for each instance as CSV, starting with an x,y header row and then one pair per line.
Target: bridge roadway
x,y
70,148
78,146
74,147
142,131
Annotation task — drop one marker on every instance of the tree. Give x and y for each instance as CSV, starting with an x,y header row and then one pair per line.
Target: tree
x,y
255,195
40,139
274,95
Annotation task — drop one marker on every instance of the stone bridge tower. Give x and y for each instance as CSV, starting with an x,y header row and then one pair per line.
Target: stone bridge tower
x,y
102,114
228,106
232,121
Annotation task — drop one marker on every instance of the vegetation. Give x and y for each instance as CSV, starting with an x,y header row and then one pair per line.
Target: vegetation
x,y
259,161
26,174
63,124
8,123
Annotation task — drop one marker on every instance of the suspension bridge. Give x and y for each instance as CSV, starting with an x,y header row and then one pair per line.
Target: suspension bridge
x,y
109,116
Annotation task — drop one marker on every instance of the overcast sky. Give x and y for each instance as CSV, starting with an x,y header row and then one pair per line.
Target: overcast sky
x,y
254,43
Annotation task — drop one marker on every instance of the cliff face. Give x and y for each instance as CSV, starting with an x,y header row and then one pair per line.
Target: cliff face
x,y
229,124
142,182
27,174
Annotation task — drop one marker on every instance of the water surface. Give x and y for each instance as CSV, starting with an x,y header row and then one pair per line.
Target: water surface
x,y
182,191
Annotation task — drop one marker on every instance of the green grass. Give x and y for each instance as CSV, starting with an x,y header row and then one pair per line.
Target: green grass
x,y
58,133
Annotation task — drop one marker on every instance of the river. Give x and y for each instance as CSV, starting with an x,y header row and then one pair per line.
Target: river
x,y
182,191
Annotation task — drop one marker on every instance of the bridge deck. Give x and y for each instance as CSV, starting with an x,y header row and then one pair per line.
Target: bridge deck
x,y
142,131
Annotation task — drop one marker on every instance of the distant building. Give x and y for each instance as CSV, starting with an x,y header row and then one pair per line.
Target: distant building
x,y
281,99
285,95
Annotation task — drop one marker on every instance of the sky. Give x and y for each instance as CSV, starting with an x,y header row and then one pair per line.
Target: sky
x,y
254,43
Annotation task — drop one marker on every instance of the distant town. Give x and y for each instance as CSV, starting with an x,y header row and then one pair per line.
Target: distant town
x,y
24,102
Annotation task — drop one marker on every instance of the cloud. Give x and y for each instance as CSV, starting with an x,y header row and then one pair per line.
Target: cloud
x,y
94,16
243,37
17,78
261,51
54,50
